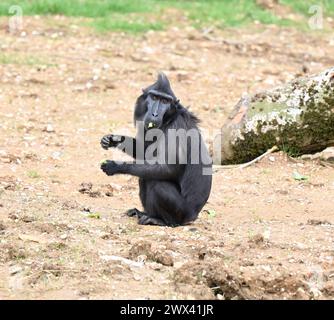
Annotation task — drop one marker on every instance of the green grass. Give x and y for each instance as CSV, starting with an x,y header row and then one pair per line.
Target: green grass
x,y
231,13
132,15
123,23
22,60
303,6
78,8
33,174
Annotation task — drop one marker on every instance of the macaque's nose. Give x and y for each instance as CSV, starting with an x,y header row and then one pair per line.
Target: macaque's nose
x,y
155,110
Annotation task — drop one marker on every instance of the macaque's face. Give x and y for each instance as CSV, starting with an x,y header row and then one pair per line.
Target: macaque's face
x,y
160,108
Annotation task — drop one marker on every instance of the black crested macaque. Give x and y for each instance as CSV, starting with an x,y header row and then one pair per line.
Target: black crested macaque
x,y
172,192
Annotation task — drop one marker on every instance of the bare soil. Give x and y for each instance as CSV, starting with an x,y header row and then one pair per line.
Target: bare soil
x,y
63,232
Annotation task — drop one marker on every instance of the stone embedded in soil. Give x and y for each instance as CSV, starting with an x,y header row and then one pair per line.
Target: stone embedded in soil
x,y
144,248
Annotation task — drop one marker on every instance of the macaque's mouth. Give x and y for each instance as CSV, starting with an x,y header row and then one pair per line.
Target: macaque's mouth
x,y
151,125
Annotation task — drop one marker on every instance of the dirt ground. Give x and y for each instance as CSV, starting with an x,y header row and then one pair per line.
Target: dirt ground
x,y
262,234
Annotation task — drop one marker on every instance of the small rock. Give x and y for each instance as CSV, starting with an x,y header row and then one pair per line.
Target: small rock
x,y
266,268
257,239
56,155
49,128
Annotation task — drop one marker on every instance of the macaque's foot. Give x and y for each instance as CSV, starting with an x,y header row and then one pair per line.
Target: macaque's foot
x,y
146,220
134,212
111,141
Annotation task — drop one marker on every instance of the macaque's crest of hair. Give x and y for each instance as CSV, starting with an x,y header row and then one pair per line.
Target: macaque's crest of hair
x,y
162,84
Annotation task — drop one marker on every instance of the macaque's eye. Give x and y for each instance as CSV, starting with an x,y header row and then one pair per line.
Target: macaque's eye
x,y
155,98
164,101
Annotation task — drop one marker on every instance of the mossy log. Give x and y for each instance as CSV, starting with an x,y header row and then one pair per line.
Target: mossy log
x,y
298,118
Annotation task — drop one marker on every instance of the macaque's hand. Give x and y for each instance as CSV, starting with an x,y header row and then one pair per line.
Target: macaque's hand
x,y
111,141
110,167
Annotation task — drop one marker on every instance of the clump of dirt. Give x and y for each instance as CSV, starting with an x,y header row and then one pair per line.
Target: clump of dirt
x,y
145,248
70,205
317,222
2,226
9,157
28,218
87,188
8,183
100,191
9,252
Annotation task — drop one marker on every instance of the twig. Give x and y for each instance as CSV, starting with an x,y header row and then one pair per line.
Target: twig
x,y
247,164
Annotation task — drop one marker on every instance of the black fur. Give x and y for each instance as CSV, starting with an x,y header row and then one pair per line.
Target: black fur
x,y
171,194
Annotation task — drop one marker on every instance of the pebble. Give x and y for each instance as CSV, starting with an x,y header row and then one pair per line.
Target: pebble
x,y
49,128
